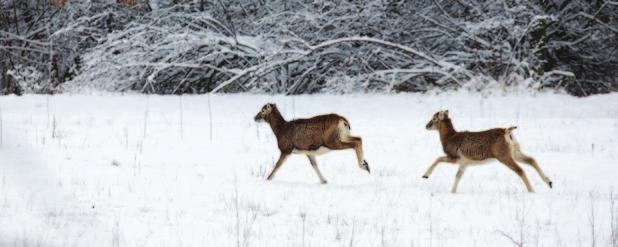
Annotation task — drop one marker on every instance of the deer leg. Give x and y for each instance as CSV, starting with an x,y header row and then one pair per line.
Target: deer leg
x,y
282,159
460,172
360,156
519,156
314,164
511,164
435,163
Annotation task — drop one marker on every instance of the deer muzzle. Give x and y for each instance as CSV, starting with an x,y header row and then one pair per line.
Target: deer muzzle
x,y
258,117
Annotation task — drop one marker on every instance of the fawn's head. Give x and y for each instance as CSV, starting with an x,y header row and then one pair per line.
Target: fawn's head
x,y
266,110
436,120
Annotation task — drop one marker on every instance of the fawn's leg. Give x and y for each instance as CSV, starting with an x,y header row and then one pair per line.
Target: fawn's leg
x,y
435,163
282,159
521,157
511,164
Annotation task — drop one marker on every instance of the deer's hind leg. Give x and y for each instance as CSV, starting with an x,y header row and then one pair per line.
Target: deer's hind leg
x,y
344,140
521,157
360,155
460,172
511,164
314,164
355,143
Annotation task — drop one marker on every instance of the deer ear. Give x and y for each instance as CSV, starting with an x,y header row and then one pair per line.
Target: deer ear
x,y
442,115
269,106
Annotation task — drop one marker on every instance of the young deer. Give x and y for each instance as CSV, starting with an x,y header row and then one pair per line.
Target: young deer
x,y
312,136
469,148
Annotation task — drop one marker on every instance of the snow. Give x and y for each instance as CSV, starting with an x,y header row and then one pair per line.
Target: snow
x,y
137,170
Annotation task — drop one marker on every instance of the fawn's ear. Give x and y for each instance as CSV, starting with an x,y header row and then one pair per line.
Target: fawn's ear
x,y
269,106
442,115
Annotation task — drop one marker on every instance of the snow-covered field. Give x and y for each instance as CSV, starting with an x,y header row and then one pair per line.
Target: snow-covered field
x,y
139,170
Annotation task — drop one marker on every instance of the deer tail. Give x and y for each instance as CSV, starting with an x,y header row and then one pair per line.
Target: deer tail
x,y
510,138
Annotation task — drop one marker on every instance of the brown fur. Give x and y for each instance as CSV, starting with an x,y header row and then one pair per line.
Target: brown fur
x,y
305,134
311,134
479,146
60,3
467,148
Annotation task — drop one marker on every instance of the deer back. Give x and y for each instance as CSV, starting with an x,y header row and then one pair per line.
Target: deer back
x,y
311,133
476,145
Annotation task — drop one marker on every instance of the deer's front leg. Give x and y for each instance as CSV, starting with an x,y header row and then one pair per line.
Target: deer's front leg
x,y
282,159
435,163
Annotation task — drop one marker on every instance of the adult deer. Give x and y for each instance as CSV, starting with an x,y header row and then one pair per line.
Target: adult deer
x,y
470,148
312,136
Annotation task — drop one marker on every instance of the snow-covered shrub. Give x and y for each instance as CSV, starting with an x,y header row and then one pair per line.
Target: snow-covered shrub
x,y
307,46
30,79
50,38
168,51
559,44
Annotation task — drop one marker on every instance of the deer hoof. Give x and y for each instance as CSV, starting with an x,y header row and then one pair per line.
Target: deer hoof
x,y
425,176
323,182
365,166
551,184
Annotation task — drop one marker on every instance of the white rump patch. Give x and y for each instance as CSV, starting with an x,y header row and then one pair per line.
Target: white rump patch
x,y
513,144
343,131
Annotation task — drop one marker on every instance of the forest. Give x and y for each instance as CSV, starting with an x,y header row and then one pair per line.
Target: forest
x,y
307,46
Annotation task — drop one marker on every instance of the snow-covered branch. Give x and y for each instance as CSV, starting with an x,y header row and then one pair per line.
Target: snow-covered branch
x,y
293,46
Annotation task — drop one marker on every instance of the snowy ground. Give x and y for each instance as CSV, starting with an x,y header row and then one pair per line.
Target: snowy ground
x,y
165,171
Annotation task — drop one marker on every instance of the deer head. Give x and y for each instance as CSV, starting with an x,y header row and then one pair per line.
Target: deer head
x,y
436,120
264,112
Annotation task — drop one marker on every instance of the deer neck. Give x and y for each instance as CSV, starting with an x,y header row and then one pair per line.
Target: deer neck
x,y
276,122
446,130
